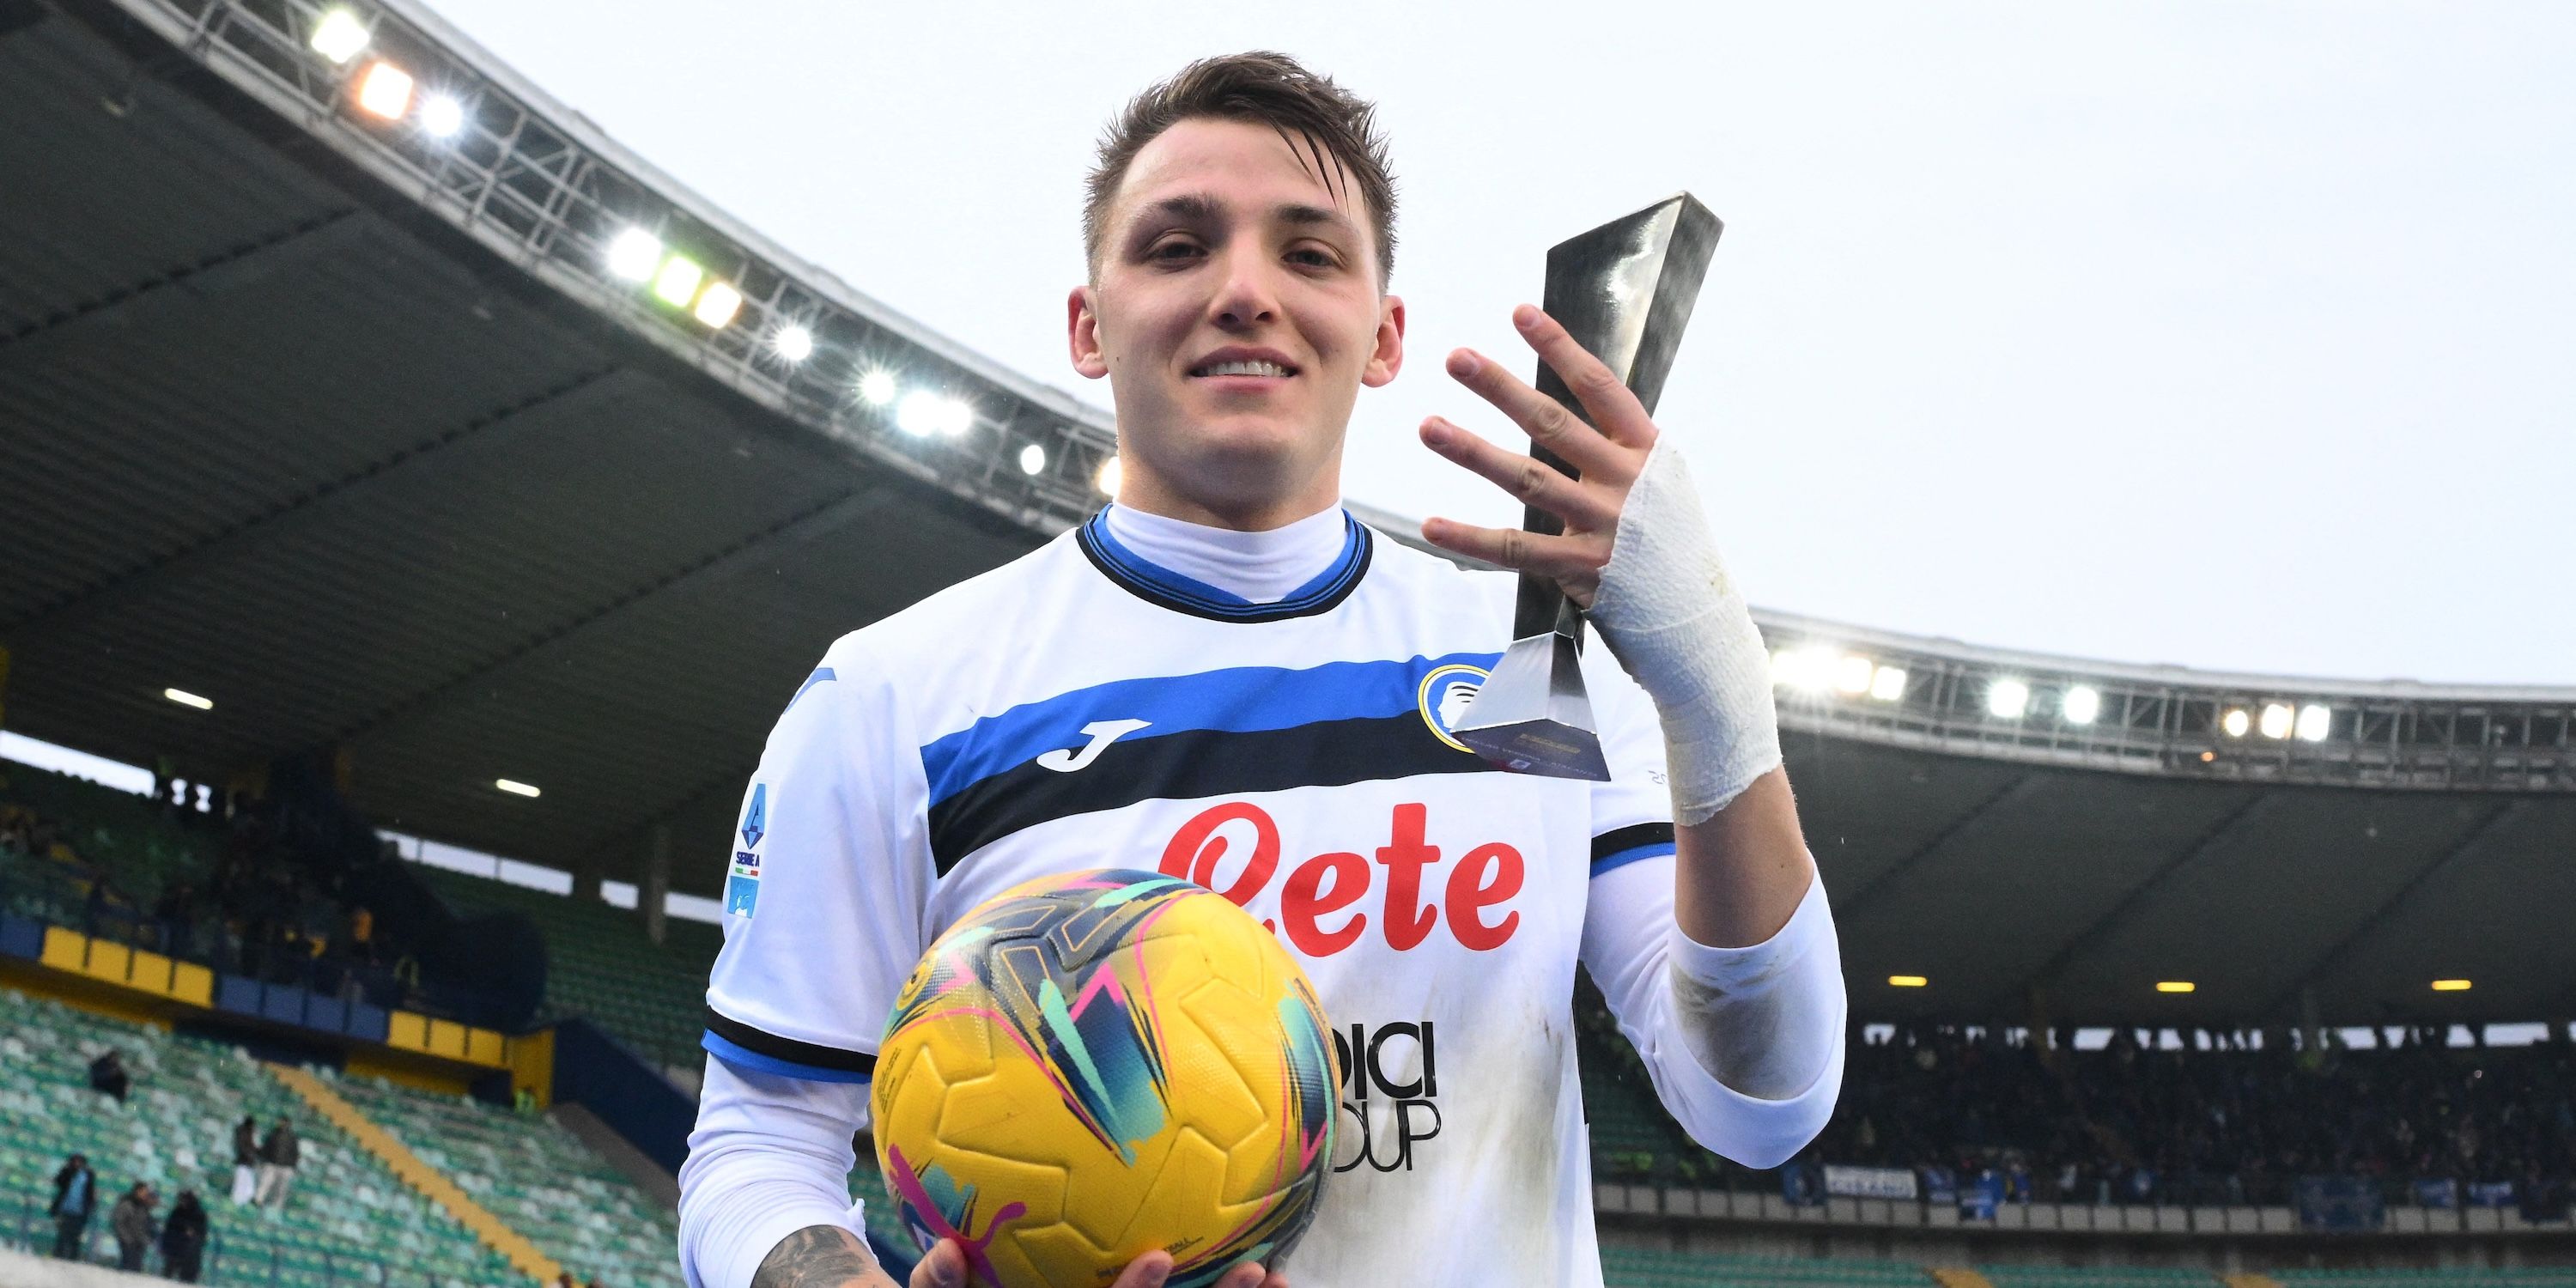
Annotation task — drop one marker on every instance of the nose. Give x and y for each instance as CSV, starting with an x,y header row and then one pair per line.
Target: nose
x,y
1245,297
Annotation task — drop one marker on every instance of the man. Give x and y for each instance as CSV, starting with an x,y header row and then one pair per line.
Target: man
x,y
183,1238
132,1223
245,1159
1223,663
107,1074
75,1195
277,1158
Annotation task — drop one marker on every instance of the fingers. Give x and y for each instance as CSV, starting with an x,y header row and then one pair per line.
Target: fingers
x,y
1615,410
1583,505
1573,561
1547,423
1250,1275
944,1266
1147,1271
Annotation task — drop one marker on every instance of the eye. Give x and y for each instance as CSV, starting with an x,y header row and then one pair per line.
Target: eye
x,y
1313,256
1172,250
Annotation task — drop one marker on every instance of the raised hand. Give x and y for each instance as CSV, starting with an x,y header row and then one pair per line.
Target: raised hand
x,y
1608,458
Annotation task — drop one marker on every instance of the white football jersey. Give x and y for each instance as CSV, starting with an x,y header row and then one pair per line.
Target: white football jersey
x,y
1081,708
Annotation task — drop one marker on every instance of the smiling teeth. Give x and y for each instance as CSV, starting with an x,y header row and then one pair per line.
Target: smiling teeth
x,y
1243,369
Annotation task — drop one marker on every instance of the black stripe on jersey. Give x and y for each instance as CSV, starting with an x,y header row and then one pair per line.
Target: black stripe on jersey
x,y
790,1050
1324,599
1188,766
1621,840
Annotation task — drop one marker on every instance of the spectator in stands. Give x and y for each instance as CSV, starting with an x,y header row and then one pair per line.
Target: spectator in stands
x,y
245,1159
75,1195
132,1222
563,1279
176,913
277,1158
183,1238
107,1073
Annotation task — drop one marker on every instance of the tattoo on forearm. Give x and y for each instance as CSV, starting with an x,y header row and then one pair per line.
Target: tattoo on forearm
x,y
818,1256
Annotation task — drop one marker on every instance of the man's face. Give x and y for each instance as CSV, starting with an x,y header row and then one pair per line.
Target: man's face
x,y
1235,310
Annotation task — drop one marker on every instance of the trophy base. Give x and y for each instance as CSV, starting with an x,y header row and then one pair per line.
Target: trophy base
x,y
1532,716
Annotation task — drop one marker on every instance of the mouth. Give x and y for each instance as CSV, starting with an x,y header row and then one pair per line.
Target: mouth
x,y
1222,365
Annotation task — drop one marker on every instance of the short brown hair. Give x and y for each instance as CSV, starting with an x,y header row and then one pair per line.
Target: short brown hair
x,y
1316,116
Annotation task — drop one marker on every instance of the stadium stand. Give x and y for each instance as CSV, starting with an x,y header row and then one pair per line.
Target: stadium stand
x,y
345,1219
1647,1268
601,965
535,1176
2092,1277
2522,1277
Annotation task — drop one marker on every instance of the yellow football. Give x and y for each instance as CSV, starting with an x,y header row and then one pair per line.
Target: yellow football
x,y
1091,1066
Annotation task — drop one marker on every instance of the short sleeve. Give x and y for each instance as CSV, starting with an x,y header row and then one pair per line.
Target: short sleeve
x,y
828,871
1632,814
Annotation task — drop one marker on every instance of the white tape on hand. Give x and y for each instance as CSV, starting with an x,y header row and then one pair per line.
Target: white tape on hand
x,y
1672,617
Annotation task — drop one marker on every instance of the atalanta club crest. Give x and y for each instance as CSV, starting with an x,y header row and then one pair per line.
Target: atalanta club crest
x,y
1444,696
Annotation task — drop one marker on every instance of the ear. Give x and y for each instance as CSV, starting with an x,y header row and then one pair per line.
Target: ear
x,y
1388,357
1082,334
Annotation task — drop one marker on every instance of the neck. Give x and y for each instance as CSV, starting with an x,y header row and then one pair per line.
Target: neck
x,y
1262,504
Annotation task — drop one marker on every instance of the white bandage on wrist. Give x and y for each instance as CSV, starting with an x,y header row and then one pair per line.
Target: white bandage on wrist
x,y
1673,618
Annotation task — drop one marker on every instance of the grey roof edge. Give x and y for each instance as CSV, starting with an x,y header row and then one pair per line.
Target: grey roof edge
x,y
572,121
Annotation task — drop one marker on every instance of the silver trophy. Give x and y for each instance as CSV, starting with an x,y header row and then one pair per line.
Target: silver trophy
x,y
1624,291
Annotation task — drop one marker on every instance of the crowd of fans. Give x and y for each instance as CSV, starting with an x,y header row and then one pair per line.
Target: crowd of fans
x,y
263,908
2230,1118
263,1174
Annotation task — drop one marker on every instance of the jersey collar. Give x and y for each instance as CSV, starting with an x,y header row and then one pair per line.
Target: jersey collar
x,y
1159,585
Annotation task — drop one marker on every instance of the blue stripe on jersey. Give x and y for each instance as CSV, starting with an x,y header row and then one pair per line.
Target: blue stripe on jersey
x,y
1247,699
742,1057
1621,859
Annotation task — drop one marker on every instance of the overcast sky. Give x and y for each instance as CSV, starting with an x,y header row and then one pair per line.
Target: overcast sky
x,y
2232,335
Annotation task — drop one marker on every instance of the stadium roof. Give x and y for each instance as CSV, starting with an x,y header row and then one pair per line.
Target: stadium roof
x,y
346,429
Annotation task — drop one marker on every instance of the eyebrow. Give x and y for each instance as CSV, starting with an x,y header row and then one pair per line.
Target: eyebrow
x,y
1200,206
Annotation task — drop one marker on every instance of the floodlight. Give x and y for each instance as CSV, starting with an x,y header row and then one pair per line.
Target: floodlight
x,y
1810,668
1888,684
1107,479
2236,722
677,283
718,303
2277,720
1032,459
877,387
2081,705
385,90
1907,981
923,413
2314,722
339,36
2173,986
634,254
2208,756
187,699
442,116
2450,986
1851,674
515,789
2007,699
793,342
